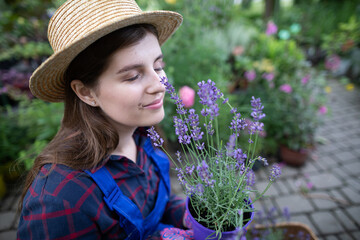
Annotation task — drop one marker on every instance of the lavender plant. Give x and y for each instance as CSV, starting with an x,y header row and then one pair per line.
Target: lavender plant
x,y
215,174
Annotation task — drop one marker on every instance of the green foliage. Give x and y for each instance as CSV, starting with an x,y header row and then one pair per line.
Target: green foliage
x,y
23,23
317,18
27,129
12,136
42,121
33,50
344,38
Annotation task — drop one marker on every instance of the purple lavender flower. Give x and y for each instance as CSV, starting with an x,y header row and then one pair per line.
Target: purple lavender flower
x,y
250,178
231,145
239,155
181,131
155,137
275,172
189,170
257,108
181,176
171,90
209,128
241,167
204,174
256,127
209,94
238,123
261,159
199,189
193,120
286,213
178,156
200,146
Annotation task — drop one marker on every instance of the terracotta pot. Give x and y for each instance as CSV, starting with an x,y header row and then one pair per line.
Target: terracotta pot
x,y
292,230
293,158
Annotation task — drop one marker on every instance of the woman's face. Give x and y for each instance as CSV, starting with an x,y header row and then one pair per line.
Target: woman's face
x,y
129,90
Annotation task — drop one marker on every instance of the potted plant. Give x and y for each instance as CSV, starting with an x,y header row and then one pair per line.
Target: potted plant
x,y
291,90
268,227
216,174
297,105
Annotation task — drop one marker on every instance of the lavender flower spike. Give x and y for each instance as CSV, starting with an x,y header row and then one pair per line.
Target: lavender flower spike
x,y
257,108
205,175
275,172
155,137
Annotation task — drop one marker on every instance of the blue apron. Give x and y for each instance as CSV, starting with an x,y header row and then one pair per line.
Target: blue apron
x,y
130,217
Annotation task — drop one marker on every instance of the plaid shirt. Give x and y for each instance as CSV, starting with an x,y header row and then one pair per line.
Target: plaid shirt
x,y
63,203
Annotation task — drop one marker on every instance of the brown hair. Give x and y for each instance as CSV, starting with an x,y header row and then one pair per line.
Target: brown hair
x,y
86,138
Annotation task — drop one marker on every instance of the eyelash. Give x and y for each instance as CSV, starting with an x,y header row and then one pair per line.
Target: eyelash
x,y
136,77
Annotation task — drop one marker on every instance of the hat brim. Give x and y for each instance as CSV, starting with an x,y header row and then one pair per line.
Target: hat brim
x,y
47,81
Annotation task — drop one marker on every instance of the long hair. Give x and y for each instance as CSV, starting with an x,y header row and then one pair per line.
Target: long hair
x,y
86,137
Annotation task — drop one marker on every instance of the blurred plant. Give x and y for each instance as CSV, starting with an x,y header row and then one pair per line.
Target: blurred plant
x,y
42,121
25,130
14,84
343,50
34,50
265,226
24,21
293,92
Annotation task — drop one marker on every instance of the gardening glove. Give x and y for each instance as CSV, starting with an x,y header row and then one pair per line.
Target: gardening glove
x,y
176,234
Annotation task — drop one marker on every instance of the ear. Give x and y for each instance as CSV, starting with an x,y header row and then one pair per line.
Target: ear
x,y
86,94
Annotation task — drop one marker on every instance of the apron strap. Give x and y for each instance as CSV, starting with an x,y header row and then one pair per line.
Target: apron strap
x,y
115,198
130,217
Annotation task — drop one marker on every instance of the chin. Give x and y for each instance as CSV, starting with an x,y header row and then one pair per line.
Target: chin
x,y
156,119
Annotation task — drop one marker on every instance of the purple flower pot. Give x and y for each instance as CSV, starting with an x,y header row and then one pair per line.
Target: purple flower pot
x,y
202,233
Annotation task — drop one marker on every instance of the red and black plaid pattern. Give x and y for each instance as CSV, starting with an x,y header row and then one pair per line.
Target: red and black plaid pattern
x,y
66,204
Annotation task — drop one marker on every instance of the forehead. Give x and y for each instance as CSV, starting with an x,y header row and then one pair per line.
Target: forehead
x,y
143,50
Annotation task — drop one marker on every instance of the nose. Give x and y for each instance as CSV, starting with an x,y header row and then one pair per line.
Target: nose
x,y
154,84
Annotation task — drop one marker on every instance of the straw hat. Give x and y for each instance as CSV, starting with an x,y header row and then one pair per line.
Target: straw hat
x,y
79,23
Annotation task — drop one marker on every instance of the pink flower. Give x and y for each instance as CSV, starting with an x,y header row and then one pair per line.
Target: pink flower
x,y
250,75
286,88
268,76
323,110
238,50
271,28
305,79
332,63
187,95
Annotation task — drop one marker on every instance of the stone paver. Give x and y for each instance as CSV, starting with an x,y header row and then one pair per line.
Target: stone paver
x,y
7,219
332,208
325,181
295,203
327,223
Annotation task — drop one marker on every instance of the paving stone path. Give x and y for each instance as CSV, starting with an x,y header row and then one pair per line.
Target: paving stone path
x,y
331,208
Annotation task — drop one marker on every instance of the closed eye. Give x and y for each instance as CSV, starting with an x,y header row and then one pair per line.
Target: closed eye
x,y
133,78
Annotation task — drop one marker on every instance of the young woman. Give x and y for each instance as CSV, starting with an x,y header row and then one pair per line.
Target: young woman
x,y
100,177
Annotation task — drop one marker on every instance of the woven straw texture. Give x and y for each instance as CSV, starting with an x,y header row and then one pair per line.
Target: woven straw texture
x,y
79,23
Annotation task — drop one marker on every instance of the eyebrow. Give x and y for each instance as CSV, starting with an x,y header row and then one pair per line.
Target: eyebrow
x,y
134,66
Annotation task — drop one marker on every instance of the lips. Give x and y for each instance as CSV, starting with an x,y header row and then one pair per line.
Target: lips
x,y
155,104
